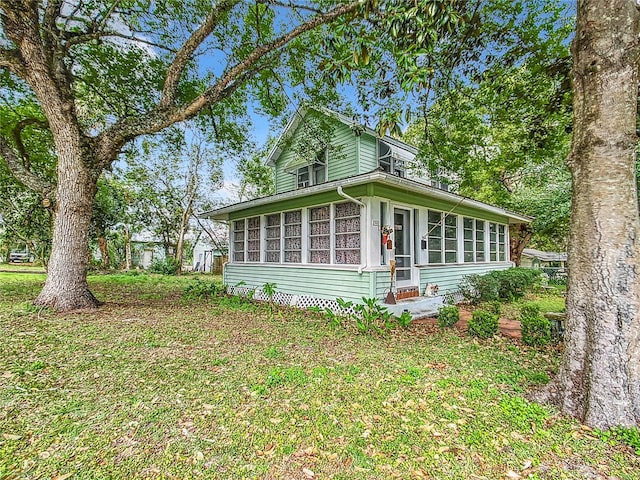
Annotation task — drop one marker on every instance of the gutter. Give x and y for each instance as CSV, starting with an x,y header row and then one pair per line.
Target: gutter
x,y
340,192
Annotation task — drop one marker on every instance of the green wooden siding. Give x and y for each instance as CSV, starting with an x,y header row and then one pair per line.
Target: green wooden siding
x,y
315,282
368,153
344,162
448,277
382,283
284,181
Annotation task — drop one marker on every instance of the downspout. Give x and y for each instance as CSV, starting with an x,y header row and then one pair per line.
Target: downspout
x,y
340,192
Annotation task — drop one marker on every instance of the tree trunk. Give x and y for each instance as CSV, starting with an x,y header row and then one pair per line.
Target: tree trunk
x,y
599,379
519,236
104,251
66,287
127,248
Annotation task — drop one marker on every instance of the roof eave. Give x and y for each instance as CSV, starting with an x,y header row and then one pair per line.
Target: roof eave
x,y
222,214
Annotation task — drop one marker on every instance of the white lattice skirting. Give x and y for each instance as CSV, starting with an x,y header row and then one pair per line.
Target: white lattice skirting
x,y
298,301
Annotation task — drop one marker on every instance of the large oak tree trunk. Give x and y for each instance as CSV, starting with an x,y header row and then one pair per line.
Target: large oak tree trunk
x,y
66,287
599,379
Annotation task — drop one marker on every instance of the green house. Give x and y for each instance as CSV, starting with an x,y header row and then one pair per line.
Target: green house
x,y
348,204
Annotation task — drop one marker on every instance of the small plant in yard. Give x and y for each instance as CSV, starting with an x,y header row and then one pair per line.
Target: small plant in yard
x,y
269,290
200,289
448,316
483,324
536,330
367,316
627,435
405,319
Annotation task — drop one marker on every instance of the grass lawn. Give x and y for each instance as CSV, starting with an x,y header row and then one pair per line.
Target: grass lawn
x,y
155,386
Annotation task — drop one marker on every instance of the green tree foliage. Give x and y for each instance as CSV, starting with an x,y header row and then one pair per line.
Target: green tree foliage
x,y
502,135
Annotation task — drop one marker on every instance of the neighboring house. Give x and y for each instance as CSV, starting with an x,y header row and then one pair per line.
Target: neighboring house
x,y
532,258
322,235
146,249
209,257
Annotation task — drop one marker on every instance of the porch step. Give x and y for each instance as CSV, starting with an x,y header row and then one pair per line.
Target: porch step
x,y
418,307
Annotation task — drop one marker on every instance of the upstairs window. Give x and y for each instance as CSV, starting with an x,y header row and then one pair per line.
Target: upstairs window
x,y
389,162
313,174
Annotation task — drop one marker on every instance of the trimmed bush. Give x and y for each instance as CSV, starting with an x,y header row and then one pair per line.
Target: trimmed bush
x,y
536,330
479,288
483,324
448,316
508,285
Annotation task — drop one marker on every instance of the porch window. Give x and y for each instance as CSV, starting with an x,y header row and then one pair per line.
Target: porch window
x,y
443,237
320,234
480,241
347,233
238,240
253,239
493,242
502,243
272,236
293,236
469,239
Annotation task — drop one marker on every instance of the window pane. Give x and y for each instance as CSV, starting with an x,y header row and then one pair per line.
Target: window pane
x,y
347,233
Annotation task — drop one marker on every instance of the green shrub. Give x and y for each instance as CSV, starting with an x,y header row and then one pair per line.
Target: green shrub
x,y
448,316
509,285
168,266
483,324
200,289
479,288
536,330
515,282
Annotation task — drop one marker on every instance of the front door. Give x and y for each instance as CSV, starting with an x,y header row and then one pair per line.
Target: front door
x,y
402,233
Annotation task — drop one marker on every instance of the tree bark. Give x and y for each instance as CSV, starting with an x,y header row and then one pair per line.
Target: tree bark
x,y
104,251
599,379
519,236
66,287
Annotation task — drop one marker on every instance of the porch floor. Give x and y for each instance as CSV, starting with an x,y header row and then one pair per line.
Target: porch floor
x,y
418,307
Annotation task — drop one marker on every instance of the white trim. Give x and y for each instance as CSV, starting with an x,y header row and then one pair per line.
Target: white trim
x,y
381,177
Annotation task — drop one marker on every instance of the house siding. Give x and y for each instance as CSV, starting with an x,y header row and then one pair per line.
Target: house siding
x,y
368,153
448,277
342,161
329,283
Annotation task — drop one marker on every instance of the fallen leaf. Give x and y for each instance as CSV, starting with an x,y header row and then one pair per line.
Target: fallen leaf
x,y
308,473
513,475
11,436
62,477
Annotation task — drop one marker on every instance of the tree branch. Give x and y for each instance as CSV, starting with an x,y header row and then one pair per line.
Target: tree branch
x,y
12,61
185,53
17,136
109,142
27,177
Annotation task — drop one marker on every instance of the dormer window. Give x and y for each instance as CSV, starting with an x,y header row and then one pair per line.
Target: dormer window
x,y
313,174
390,162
